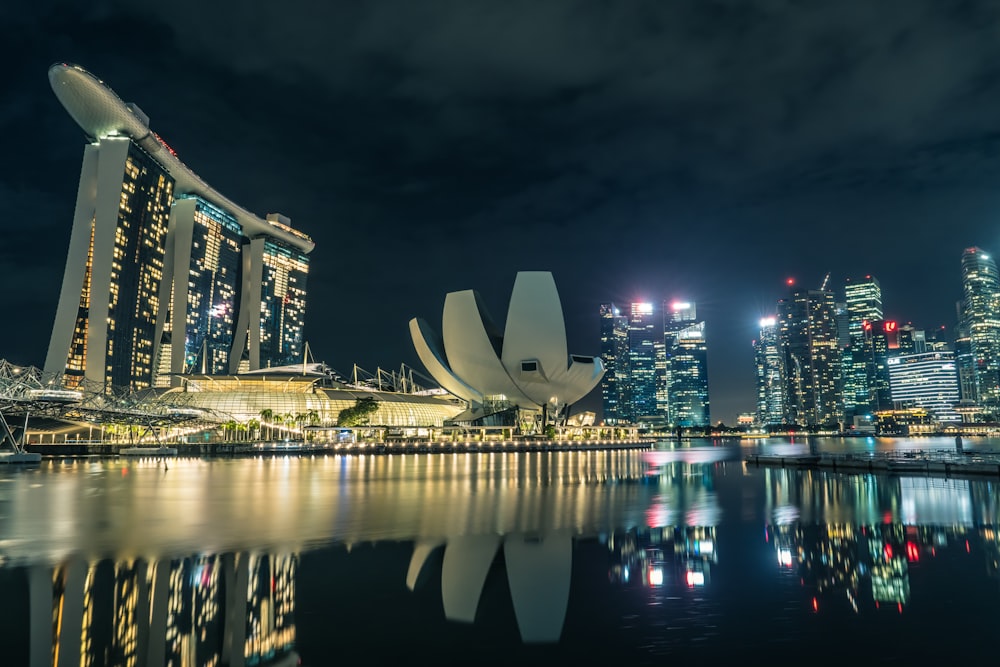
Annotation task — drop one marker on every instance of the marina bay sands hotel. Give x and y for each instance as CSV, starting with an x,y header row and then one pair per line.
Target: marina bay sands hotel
x,y
164,275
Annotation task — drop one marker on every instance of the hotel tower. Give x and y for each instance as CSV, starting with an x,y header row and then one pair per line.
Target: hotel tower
x,y
164,275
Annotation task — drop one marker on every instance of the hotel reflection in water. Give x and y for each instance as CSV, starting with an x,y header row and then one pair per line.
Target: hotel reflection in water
x,y
230,609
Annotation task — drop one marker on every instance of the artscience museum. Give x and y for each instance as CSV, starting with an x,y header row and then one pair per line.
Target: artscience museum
x,y
523,368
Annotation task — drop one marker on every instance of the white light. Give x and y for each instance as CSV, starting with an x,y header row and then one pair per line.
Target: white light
x,y
681,305
655,576
785,557
767,321
643,308
695,578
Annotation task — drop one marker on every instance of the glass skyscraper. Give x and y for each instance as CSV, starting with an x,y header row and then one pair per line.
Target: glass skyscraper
x,y
614,354
770,374
645,342
863,300
980,321
686,355
807,326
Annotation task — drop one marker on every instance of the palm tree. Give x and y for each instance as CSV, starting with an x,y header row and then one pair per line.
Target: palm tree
x,y
266,415
254,426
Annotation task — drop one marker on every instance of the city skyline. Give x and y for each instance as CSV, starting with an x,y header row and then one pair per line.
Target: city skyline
x,y
428,151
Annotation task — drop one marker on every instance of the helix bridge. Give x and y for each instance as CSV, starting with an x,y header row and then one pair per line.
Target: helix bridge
x,y
29,395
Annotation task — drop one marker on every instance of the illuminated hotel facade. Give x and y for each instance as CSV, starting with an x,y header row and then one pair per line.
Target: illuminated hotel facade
x,y
164,275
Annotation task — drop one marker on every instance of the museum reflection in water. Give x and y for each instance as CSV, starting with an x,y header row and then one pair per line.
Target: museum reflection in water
x,y
230,609
841,539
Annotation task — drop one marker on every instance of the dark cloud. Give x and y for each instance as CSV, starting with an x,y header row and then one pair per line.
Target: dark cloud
x,y
704,149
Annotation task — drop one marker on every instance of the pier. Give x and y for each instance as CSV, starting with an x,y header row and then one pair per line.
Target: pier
x,y
944,463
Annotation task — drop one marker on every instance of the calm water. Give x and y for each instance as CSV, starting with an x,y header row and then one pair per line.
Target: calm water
x,y
593,557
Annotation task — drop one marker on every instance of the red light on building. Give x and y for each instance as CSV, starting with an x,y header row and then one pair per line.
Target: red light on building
x,y
890,326
888,552
866,325
912,552
815,604
790,281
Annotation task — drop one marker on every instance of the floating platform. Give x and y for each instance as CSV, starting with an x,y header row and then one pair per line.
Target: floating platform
x,y
20,458
906,463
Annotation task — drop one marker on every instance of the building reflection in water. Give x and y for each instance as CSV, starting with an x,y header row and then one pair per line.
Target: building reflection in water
x,y
856,538
230,609
538,549
851,540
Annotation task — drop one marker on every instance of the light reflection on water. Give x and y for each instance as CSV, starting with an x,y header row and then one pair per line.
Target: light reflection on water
x,y
677,551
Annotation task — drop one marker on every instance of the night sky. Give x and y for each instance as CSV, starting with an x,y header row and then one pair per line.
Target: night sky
x,y
702,150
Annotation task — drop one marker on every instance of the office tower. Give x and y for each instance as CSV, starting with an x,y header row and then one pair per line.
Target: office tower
x,y
645,344
807,329
770,374
156,257
685,367
912,340
927,380
614,354
980,321
863,300
881,337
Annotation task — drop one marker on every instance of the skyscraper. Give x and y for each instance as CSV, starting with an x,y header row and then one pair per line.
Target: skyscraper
x,y
807,326
863,300
686,366
645,344
156,257
880,337
770,374
980,321
614,354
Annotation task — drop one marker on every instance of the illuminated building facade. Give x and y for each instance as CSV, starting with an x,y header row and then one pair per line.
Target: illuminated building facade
x,y
770,366
881,340
204,259
283,304
980,322
105,323
158,277
863,303
645,345
807,329
686,367
614,354
928,380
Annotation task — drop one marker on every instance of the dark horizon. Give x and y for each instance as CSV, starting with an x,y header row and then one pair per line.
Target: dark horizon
x,y
695,151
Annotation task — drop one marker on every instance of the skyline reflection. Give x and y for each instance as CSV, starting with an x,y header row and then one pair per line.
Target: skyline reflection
x,y
113,578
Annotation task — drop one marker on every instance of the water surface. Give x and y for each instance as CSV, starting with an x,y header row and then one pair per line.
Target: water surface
x,y
682,552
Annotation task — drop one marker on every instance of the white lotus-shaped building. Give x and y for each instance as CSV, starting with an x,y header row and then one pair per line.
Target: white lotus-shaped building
x,y
527,365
